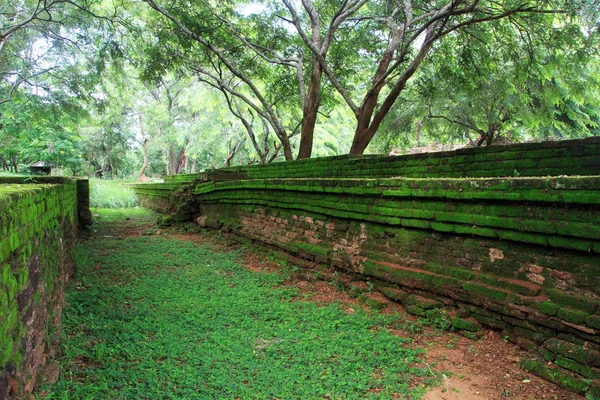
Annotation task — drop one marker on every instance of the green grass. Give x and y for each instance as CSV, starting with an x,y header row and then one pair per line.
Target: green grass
x,y
108,218
155,318
111,194
6,173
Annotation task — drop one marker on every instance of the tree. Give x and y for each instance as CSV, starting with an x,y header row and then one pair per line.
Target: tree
x,y
35,128
410,31
46,38
193,43
519,89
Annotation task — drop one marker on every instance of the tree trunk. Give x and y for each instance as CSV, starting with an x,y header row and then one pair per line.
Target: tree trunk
x,y
287,148
311,108
362,138
112,169
194,166
142,177
369,121
176,161
15,163
232,151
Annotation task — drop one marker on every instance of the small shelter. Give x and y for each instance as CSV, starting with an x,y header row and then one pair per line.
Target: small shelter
x,y
40,168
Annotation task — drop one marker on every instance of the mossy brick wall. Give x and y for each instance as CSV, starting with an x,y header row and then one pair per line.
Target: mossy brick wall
x,y
570,157
516,254
38,226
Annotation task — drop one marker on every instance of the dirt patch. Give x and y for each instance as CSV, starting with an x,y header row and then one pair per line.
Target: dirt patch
x,y
484,369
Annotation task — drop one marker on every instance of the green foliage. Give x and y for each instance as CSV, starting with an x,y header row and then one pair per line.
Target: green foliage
x,y
438,318
493,82
151,317
111,194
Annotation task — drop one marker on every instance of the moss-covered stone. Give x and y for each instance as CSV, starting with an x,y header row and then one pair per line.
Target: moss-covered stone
x,y
392,293
491,322
578,352
416,310
548,355
472,335
422,302
38,225
375,304
493,294
470,325
571,315
571,365
499,245
593,321
573,301
561,377
535,336
548,308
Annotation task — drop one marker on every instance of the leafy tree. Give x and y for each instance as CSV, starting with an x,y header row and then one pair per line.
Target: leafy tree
x,y
526,87
410,31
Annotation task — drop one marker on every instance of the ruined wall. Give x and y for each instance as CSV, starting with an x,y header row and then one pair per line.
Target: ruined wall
x,y
516,254
569,157
38,226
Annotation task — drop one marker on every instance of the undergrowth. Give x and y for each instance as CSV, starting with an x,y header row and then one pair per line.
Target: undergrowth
x,y
111,194
155,318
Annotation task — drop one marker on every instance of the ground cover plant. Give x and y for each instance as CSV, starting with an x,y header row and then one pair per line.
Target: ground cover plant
x,y
151,317
111,194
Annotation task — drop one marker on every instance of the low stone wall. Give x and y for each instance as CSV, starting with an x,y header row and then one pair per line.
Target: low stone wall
x,y
38,227
516,254
569,157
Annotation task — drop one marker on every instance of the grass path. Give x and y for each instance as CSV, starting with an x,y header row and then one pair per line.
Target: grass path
x,y
151,317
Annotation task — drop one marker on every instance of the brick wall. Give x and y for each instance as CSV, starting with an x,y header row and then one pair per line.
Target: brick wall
x,y
38,227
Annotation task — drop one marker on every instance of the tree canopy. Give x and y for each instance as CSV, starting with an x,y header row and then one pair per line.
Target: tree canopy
x,y
129,88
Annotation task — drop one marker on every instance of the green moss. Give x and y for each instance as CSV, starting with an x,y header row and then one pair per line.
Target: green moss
x,y
472,335
6,347
574,366
37,223
392,293
548,308
593,321
561,377
466,324
573,301
422,302
493,322
570,315
314,249
538,336
374,304
548,355
415,310
578,352
12,287
494,294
